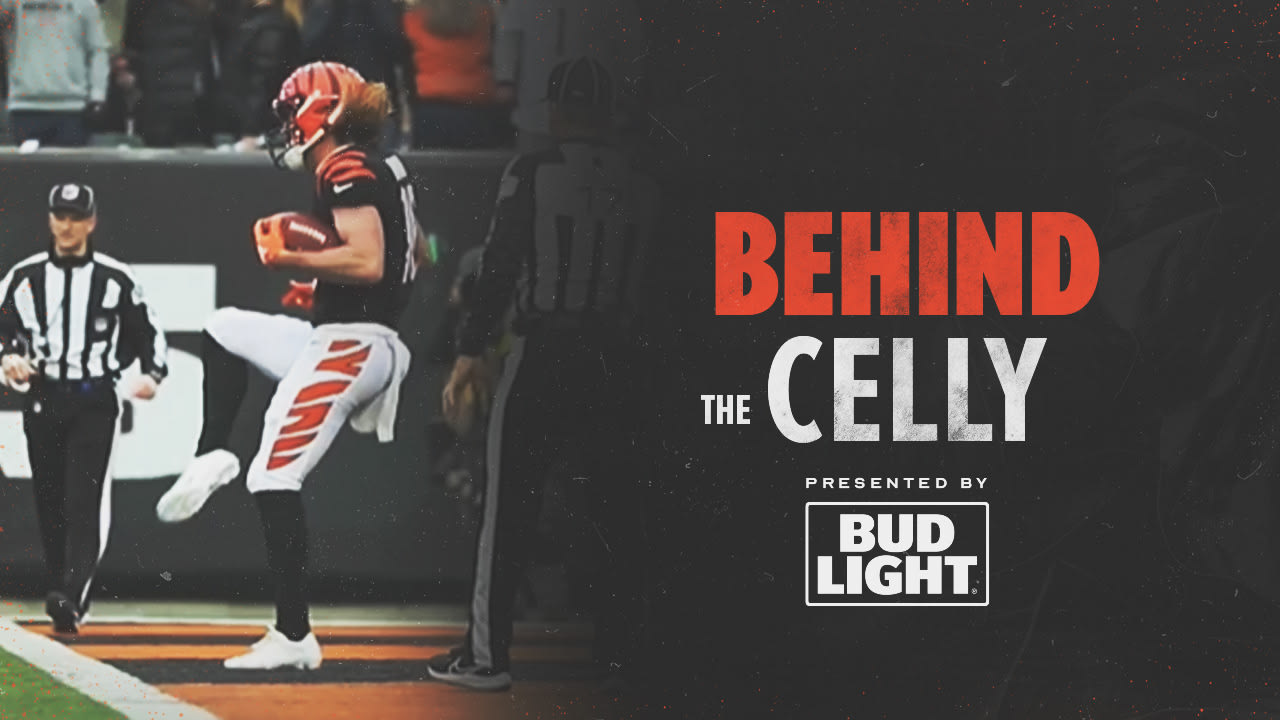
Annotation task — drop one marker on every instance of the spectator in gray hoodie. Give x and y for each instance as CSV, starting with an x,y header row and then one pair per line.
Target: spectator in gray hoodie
x,y
57,68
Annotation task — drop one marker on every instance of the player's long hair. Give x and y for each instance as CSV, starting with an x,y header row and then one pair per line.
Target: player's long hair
x,y
293,10
367,106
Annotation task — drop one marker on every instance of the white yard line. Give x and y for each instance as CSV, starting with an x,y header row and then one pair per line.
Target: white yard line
x,y
117,690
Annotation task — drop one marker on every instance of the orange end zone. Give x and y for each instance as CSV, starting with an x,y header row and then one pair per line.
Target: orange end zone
x,y
246,631
370,682
398,701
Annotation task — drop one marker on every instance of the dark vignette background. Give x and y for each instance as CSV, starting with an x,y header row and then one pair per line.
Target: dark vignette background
x,y
1133,540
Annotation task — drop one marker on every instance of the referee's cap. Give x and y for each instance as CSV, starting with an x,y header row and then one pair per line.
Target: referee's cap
x,y
75,197
580,81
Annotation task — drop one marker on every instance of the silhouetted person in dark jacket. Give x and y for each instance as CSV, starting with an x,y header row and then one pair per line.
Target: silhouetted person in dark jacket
x,y
365,35
261,52
169,44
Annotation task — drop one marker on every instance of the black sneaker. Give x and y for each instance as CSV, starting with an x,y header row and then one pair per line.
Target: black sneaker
x,y
469,675
63,612
441,663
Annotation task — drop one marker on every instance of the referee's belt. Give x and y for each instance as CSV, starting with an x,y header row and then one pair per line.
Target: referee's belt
x,y
76,386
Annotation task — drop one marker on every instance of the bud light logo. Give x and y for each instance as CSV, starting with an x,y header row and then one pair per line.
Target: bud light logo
x,y
903,554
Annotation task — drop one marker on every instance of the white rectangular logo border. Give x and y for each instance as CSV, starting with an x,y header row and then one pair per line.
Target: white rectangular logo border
x,y
986,597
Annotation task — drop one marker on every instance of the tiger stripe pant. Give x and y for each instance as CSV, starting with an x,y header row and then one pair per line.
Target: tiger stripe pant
x,y
324,374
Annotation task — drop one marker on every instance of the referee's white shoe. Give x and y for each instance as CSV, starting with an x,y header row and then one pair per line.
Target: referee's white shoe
x,y
193,487
276,651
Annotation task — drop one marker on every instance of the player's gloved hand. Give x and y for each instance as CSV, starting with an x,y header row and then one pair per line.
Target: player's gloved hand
x,y
17,371
270,240
300,295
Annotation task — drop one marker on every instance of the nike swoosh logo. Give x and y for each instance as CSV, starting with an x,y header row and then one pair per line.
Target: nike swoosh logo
x,y
342,188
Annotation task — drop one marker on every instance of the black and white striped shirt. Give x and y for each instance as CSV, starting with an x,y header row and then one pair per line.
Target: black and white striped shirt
x,y
79,318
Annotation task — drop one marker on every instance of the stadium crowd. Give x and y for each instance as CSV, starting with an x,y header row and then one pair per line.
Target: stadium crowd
x,y
203,73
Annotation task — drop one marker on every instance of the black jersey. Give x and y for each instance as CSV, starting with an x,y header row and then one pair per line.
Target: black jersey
x,y
569,235
355,177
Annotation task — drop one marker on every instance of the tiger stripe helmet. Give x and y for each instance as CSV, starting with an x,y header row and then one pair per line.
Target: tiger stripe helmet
x,y
310,101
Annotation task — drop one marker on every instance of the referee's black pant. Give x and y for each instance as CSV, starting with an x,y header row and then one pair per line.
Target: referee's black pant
x,y
564,393
70,429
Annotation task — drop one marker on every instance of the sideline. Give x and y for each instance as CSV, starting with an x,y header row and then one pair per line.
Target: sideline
x,y
117,690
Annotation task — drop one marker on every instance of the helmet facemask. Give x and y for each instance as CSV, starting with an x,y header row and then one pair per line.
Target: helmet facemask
x,y
310,103
303,122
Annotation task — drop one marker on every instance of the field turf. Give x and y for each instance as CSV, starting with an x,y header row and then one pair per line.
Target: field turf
x,y
29,694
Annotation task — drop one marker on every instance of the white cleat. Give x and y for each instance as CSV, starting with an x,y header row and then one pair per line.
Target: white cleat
x,y
193,487
277,651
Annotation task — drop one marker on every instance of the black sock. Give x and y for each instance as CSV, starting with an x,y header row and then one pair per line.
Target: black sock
x,y
226,379
285,529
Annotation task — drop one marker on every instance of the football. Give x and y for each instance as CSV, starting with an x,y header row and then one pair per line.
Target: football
x,y
303,232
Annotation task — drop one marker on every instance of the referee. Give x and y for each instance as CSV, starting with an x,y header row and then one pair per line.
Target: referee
x,y
570,233
71,319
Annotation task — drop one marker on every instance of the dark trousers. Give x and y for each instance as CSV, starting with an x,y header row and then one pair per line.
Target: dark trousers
x,y
56,129
70,431
166,126
562,394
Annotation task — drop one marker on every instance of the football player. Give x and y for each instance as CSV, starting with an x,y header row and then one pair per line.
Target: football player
x,y
346,364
